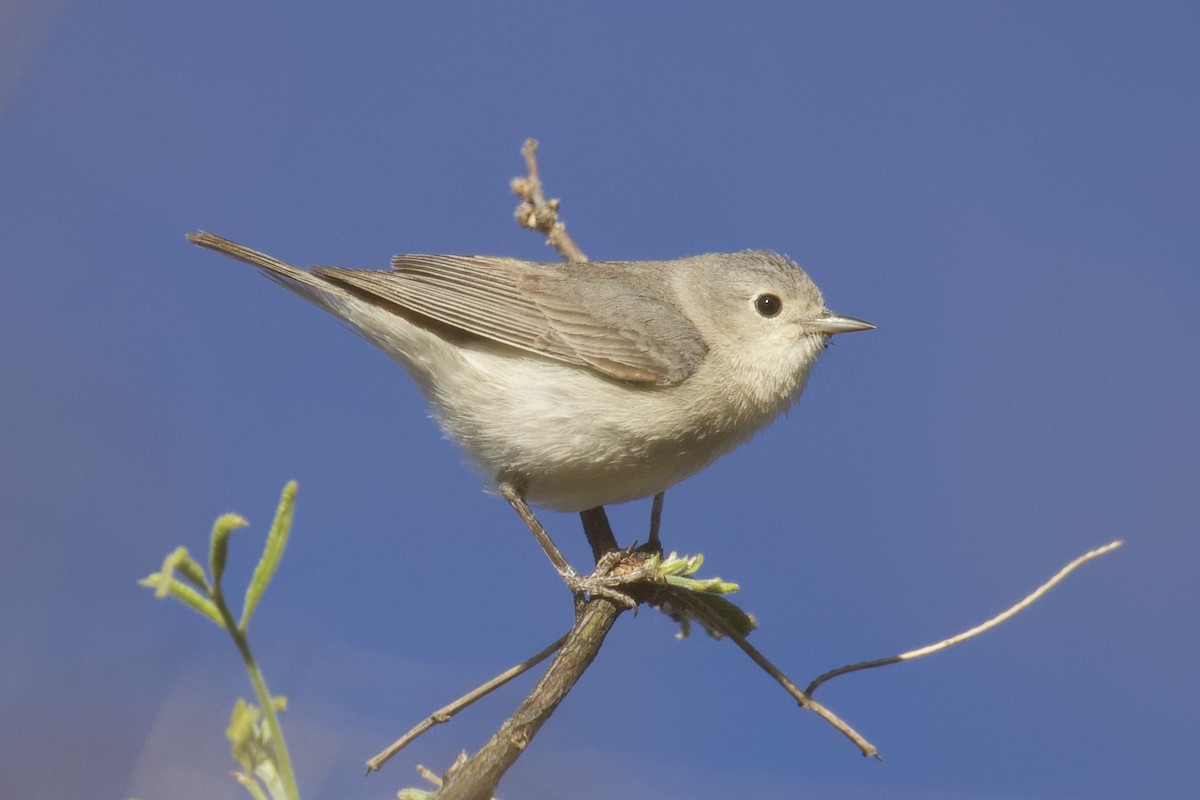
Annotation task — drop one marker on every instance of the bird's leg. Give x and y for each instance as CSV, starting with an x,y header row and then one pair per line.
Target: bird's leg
x,y
600,583
656,508
517,501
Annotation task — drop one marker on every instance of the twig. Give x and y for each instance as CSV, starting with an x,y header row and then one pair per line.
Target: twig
x,y
429,775
538,213
433,777
447,712
803,698
477,778
973,632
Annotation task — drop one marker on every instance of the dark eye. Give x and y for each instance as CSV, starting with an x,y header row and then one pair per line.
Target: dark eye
x,y
768,304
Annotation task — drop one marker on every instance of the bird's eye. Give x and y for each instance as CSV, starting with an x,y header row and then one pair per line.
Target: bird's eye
x,y
768,304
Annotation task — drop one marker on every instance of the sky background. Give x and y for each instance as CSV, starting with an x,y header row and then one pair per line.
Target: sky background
x,y
1011,192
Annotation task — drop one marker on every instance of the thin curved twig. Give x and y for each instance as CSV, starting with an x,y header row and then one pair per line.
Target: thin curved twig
x,y
1031,598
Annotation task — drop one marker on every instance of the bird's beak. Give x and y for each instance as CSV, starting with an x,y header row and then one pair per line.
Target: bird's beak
x,y
832,323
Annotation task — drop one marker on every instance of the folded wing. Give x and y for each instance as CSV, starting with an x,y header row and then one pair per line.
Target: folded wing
x,y
614,317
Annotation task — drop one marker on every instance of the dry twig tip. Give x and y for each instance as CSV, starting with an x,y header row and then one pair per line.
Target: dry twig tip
x,y
1029,600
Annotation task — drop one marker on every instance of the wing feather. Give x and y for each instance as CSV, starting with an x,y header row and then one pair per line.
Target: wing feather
x,y
593,315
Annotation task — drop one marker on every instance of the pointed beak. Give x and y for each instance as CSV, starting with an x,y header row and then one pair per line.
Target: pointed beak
x,y
832,323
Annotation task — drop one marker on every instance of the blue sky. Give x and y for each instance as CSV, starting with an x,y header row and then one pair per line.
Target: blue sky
x,y
1011,192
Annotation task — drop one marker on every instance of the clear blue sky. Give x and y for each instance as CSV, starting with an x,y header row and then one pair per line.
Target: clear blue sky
x,y
1011,192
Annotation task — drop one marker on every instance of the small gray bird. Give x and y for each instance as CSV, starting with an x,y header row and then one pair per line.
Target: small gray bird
x,y
585,384
580,385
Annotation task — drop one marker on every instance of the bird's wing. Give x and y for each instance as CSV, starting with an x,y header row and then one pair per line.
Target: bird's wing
x,y
592,314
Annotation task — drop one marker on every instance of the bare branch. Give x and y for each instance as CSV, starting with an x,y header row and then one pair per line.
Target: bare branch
x,y
478,777
447,712
433,777
973,632
538,213
803,698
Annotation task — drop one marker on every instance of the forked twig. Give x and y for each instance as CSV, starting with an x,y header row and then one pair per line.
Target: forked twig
x,y
803,698
1031,598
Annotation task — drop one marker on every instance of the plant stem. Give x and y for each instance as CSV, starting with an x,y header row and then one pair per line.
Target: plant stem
x,y
282,760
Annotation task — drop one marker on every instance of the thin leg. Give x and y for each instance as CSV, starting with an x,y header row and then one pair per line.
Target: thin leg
x,y
514,498
656,518
599,532
599,583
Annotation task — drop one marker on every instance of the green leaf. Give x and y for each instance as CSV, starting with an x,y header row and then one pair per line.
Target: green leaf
x,y
739,621
677,571
414,794
165,584
675,564
682,589
218,544
251,786
252,748
180,561
703,585
272,552
243,735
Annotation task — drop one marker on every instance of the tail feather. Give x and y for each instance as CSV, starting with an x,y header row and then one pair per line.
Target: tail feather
x,y
308,285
